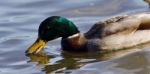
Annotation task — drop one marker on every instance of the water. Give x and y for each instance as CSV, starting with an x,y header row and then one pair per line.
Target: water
x,y
19,21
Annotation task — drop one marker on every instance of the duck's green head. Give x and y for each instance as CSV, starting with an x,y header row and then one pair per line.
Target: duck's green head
x,y
56,26
52,28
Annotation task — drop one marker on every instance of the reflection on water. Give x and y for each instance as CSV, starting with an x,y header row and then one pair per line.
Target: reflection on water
x,y
19,21
135,63
133,60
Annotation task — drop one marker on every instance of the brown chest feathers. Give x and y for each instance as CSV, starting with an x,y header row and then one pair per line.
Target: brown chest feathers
x,y
76,42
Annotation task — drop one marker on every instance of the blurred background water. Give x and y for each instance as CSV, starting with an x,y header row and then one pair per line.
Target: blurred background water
x,y
19,21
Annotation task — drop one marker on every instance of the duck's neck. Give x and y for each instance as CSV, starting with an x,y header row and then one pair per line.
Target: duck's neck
x,y
75,42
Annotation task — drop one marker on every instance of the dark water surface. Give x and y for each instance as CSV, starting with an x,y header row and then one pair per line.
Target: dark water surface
x,y
19,21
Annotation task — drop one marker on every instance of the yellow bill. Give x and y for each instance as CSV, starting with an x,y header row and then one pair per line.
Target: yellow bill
x,y
37,46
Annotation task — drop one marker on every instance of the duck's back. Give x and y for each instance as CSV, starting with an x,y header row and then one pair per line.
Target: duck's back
x,y
116,25
120,32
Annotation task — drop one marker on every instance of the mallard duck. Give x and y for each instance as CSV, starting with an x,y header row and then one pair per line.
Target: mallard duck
x,y
148,1
116,33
